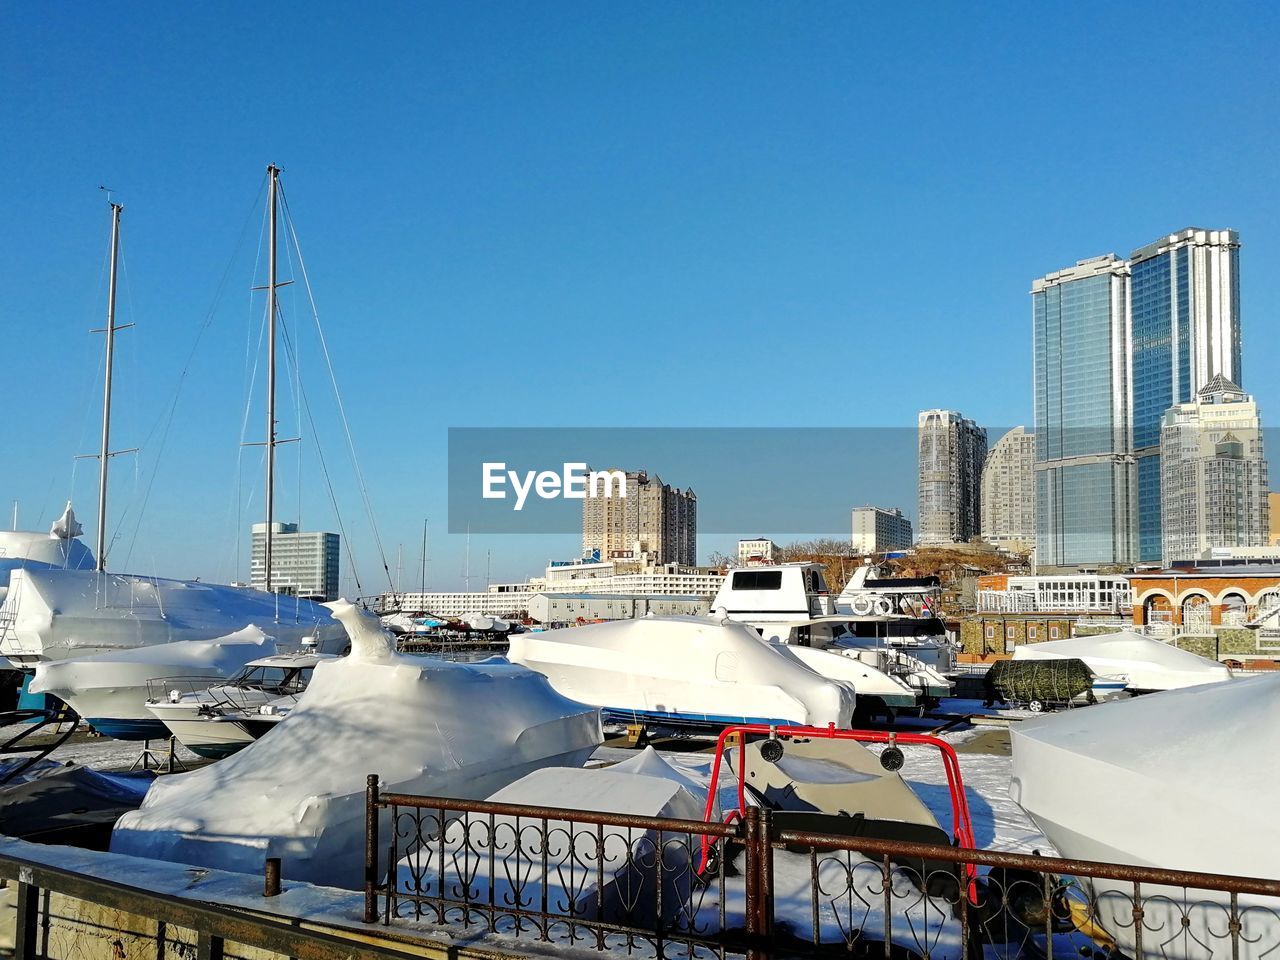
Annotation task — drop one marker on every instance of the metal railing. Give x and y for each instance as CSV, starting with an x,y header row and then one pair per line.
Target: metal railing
x,y
52,921
630,884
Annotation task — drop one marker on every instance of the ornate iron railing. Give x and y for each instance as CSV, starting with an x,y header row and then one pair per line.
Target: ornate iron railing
x,y
631,885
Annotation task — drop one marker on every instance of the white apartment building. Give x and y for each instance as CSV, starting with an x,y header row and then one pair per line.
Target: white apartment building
x,y
304,563
877,529
1009,491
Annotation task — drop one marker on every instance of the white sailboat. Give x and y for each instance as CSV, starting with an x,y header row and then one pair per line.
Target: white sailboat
x,y
54,614
59,549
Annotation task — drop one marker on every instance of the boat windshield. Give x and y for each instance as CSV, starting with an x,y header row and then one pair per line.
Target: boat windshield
x,y
281,680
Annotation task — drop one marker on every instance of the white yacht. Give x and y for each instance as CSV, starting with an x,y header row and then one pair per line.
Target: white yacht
x,y
901,613
791,604
218,720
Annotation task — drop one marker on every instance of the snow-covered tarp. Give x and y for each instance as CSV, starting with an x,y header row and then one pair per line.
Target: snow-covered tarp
x,y
607,873
1178,780
115,685
57,549
683,670
426,726
1144,663
56,614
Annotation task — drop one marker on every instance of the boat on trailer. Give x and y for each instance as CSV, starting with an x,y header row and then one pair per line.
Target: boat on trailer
x,y
683,673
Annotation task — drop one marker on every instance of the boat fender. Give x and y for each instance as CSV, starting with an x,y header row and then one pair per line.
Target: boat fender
x,y
891,758
771,750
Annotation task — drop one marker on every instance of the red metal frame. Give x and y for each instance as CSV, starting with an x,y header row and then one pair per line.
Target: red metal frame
x,y
962,825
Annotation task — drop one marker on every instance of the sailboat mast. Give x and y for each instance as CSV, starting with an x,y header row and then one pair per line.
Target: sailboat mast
x,y
273,173
104,456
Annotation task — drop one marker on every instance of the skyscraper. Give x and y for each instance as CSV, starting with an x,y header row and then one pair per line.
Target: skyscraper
x,y
1009,491
952,451
653,518
1185,292
1213,473
1085,476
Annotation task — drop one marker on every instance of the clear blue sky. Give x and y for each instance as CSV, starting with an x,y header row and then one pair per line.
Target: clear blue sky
x,y
749,214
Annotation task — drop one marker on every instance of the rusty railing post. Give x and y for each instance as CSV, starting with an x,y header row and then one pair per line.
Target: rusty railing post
x,y
271,877
25,946
758,880
371,849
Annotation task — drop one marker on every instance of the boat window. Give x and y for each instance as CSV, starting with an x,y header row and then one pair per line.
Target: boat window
x,y
757,580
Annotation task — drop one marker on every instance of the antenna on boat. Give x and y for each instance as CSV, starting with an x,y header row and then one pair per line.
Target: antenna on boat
x,y
105,453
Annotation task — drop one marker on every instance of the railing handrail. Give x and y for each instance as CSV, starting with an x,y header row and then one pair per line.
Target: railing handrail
x,y
595,817
1226,883
866,845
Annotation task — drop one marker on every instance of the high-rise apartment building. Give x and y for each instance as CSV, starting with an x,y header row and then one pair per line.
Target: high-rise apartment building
x,y
1185,311
952,451
1009,491
1213,475
1085,477
876,530
654,519
303,563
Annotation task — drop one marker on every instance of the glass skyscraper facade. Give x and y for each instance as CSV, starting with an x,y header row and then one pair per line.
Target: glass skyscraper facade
x,y
1085,478
1185,312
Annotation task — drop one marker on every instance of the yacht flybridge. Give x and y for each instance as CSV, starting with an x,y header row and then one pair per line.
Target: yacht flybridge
x,y
895,653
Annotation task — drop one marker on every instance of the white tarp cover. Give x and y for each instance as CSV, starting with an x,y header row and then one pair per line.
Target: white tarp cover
x,y
426,726
1144,663
114,685
690,669
1178,780
68,613
572,848
21,549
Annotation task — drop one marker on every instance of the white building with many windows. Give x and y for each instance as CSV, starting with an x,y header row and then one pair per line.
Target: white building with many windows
x,y
876,529
304,563
759,550
1009,491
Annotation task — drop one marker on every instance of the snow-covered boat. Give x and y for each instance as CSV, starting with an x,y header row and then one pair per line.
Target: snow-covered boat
x,y
57,614
1148,781
1129,661
683,672
217,720
426,726
110,690
59,549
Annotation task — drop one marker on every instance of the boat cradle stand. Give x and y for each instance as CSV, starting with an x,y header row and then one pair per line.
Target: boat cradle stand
x,y
163,759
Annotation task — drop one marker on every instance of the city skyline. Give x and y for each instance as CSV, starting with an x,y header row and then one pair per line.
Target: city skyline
x,y
473,201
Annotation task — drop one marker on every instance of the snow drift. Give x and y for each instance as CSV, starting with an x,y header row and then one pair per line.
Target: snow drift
x,y
426,726
1144,664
